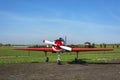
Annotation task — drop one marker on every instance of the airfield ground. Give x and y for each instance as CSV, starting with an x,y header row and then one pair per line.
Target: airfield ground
x,y
52,71
22,65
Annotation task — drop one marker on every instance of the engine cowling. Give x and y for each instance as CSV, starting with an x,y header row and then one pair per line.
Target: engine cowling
x,y
58,44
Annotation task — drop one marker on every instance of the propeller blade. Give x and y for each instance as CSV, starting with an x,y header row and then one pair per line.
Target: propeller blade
x,y
66,48
48,42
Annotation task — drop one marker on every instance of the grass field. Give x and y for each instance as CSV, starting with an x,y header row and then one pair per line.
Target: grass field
x,y
8,56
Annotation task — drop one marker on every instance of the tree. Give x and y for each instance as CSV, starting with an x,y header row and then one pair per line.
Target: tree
x,y
1,44
93,45
104,45
100,45
117,45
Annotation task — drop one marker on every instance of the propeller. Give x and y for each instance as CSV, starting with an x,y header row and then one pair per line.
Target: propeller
x,y
52,43
48,42
66,48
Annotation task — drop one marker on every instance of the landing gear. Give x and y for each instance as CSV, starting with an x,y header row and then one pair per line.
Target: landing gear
x,y
58,60
46,58
76,59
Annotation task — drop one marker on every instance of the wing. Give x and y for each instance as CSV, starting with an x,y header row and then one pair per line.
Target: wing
x,y
73,49
35,49
90,49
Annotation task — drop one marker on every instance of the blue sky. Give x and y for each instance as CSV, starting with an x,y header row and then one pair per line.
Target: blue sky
x,y
31,21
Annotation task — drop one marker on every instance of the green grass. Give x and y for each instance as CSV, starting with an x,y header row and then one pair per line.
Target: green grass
x,y
8,56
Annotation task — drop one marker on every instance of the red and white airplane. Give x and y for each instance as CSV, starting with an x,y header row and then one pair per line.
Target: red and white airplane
x,y
59,46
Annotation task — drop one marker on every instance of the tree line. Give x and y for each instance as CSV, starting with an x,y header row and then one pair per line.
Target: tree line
x,y
85,45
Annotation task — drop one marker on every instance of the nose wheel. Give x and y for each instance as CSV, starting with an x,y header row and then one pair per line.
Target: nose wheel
x,y
58,60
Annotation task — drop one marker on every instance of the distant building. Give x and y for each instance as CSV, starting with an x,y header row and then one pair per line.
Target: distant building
x,y
87,45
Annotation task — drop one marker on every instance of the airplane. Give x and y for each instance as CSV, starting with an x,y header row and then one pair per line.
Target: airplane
x,y
59,46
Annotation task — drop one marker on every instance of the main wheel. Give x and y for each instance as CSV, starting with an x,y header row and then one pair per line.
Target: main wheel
x,y
47,59
76,60
58,62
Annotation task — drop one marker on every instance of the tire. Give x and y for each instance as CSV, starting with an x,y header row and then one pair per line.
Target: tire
x,y
76,60
59,62
47,59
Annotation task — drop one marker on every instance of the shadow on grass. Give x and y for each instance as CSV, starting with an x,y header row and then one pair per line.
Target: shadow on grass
x,y
79,61
35,62
84,61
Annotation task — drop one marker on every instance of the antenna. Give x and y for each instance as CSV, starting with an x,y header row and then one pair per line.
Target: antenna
x,y
65,40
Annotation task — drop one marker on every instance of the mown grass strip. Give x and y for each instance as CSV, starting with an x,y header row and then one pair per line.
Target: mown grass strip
x,y
8,56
